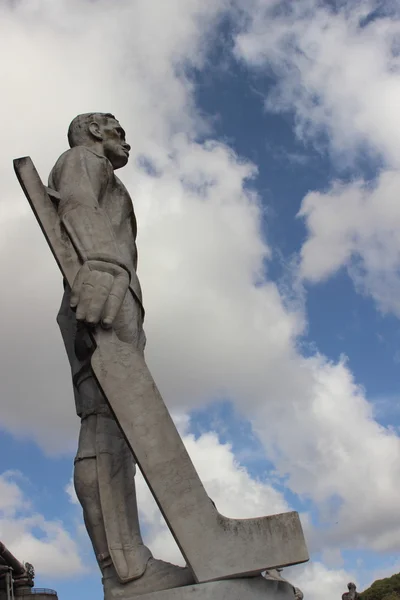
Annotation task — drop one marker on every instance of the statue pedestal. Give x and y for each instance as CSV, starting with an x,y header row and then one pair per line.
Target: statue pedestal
x,y
250,588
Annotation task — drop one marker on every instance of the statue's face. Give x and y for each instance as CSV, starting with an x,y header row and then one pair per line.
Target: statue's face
x,y
351,586
116,149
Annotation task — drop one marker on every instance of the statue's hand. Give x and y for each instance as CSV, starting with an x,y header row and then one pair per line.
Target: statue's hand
x,y
98,292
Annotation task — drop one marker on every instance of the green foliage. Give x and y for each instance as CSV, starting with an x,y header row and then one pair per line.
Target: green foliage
x,y
383,589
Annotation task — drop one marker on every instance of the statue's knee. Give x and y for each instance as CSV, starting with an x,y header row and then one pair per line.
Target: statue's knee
x,y
85,478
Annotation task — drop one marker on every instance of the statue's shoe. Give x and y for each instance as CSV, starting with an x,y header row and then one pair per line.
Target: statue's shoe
x,y
159,575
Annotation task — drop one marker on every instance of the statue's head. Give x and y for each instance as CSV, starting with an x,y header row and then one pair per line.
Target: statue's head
x,y
103,133
351,586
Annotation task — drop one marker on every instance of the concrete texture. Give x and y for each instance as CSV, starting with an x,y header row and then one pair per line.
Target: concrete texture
x,y
214,546
256,588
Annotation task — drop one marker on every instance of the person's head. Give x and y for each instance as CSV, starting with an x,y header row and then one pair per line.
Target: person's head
x,y
103,133
351,586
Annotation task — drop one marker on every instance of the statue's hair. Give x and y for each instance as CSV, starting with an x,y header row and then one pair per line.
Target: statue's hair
x,y
78,131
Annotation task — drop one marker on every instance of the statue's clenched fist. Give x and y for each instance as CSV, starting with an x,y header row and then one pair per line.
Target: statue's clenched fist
x,y
98,292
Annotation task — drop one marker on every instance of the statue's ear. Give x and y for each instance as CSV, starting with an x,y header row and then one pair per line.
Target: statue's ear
x,y
94,129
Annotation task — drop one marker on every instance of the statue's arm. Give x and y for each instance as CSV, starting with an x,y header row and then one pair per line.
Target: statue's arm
x,y
80,179
103,280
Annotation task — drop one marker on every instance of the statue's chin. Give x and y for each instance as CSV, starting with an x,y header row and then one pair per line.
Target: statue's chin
x,y
119,161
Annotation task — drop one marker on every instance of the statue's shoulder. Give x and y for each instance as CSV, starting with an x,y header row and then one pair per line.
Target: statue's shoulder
x,y
81,154
81,160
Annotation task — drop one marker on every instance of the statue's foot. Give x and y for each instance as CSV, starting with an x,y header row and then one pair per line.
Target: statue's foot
x,y
159,575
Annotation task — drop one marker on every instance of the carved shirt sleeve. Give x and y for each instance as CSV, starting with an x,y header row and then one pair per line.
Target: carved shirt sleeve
x,y
82,178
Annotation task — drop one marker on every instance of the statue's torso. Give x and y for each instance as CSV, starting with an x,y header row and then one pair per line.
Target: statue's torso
x,y
85,178
117,203
112,196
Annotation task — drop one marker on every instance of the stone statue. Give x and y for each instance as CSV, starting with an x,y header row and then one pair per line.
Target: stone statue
x,y
298,594
97,212
352,594
16,578
87,217
30,571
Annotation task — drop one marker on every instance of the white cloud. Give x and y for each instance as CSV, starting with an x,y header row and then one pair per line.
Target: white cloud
x,y
33,538
356,226
316,580
71,493
238,341
212,332
354,102
11,496
135,78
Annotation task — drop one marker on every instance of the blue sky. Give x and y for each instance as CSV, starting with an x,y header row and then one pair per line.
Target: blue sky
x,y
265,168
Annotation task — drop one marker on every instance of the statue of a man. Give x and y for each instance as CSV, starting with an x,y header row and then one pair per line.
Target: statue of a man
x,y
352,594
98,215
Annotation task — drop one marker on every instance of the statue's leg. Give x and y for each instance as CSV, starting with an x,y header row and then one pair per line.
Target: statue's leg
x,y
105,486
86,487
103,461
105,470
159,574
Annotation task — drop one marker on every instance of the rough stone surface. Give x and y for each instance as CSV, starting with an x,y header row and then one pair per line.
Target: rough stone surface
x,y
91,229
254,588
352,594
213,545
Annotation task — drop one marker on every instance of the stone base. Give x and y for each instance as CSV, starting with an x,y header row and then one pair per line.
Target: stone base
x,y
250,588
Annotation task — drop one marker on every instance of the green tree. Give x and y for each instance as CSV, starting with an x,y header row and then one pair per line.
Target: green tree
x,y
383,589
